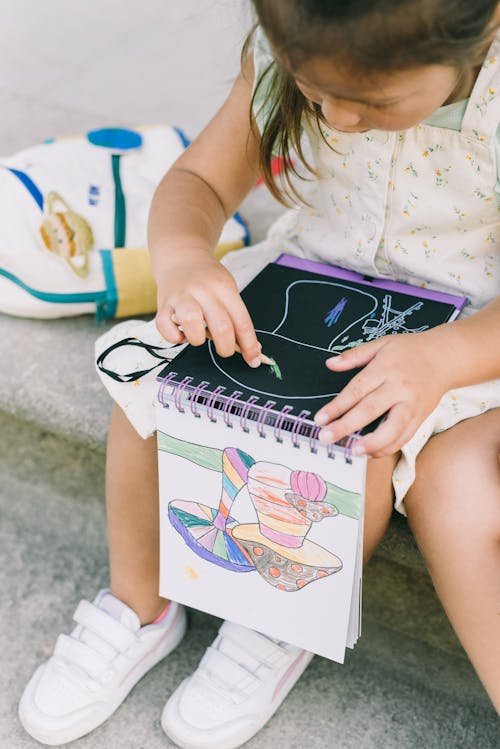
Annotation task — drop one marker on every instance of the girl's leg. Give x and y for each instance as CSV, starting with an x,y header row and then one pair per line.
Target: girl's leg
x,y
378,503
133,522
454,512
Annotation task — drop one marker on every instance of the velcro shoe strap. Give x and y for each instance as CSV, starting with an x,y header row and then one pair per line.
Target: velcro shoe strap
x,y
81,655
104,626
226,671
260,647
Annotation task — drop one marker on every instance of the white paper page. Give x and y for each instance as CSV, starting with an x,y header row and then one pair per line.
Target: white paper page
x,y
354,627
314,616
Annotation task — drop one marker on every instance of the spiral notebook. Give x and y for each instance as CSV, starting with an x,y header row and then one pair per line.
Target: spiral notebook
x,y
260,523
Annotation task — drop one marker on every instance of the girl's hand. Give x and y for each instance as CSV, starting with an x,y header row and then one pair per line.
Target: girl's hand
x,y
199,294
403,377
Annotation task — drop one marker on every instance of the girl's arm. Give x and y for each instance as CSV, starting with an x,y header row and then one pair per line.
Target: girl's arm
x,y
474,345
193,201
405,377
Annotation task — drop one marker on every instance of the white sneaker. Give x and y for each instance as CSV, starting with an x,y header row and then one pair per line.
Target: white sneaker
x,y
241,681
93,669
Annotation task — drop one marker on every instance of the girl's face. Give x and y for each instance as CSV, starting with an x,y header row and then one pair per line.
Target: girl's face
x,y
355,103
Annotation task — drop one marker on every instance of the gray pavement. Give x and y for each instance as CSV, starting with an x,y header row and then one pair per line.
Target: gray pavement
x,y
65,68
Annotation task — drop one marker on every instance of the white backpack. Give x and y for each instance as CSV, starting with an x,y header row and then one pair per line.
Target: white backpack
x,y
73,217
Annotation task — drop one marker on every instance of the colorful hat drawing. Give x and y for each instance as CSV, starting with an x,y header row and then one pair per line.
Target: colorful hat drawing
x,y
207,531
67,234
298,347
287,503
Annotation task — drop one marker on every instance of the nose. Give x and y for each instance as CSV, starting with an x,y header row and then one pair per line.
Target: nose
x,y
339,113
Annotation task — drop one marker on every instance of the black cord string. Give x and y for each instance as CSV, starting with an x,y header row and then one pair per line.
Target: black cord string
x,y
131,376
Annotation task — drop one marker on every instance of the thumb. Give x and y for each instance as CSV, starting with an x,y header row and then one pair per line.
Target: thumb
x,y
358,356
167,327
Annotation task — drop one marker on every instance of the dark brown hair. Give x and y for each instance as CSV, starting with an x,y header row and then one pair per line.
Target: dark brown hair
x,y
361,35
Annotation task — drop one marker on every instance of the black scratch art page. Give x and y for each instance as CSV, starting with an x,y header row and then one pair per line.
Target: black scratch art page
x,y
302,317
259,523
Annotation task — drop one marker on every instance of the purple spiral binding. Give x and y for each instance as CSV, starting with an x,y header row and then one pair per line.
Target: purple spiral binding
x,y
231,405
279,422
211,401
351,441
243,416
268,405
178,393
299,420
166,382
231,402
313,439
196,396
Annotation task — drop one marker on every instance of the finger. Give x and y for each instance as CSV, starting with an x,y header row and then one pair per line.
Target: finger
x,y
167,327
364,383
363,413
246,337
357,356
189,314
390,435
220,326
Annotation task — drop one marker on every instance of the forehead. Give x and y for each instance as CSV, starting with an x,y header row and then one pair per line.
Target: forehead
x,y
330,76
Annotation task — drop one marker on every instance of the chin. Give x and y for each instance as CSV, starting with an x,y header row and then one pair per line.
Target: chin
x,y
351,129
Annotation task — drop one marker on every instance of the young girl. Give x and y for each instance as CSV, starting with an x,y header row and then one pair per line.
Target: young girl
x,y
392,107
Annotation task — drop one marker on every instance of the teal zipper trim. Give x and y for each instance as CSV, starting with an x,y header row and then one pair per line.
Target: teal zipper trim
x,y
119,202
55,297
108,307
106,301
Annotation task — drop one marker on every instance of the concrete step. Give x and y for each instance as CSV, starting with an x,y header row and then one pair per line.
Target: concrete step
x,y
394,690
47,377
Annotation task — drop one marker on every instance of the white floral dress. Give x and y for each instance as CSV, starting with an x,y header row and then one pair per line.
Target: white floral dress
x,y
419,206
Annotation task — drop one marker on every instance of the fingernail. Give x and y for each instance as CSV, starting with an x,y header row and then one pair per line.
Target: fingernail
x,y
358,449
320,419
256,362
325,436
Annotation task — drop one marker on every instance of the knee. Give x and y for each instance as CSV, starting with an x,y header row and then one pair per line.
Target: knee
x,y
457,490
460,459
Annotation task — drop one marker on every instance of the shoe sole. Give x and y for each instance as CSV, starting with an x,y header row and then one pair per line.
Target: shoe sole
x,y
230,742
56,737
